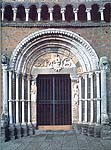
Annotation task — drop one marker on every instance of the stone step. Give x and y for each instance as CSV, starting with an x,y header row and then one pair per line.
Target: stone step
x,y
37,132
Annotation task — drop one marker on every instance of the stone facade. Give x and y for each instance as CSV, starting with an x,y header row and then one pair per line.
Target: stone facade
x,y
88,35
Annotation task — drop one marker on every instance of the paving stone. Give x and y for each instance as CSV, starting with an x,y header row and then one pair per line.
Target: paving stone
x,y
53,141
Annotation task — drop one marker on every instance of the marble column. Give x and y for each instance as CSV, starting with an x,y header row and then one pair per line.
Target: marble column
x,y
23,99
2,13
5,88
101,13
29,100
39,14
91,97
51,13
104,116
80,101
27,14
85,77
74,100
17,98
14,13
10,98
98,95
88,14
63,13
75,14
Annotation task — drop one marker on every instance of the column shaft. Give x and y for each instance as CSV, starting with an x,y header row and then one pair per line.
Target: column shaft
x,y
104,116
17,98
51,14
75,14
91,96
27,14
63,13
98,95
88,14
39,14
23,99
85,97
29,103
101,13
80,101
10,98
5,89
2,13
14,13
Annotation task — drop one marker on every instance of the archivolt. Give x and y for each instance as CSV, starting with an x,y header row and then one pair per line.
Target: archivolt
x,y
34,45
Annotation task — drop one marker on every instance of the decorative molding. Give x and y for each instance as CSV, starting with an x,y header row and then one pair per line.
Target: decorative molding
x,y
57,63
104,64
87,55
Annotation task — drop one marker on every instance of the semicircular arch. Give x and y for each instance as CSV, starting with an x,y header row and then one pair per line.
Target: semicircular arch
x,y
34,45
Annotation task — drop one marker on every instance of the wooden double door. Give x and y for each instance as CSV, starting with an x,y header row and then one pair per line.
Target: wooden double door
x,y
53,100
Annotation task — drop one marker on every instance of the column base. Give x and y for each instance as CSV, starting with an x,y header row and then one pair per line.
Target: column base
x,y
30,128
18,131
104,119
24,130
97,131
4,135
12,133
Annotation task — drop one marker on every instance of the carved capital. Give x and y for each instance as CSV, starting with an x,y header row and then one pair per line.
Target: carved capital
x,y
75,10
101,9
50,10
39,10
63,10
5,60
88,10
27,10
14,9
104,64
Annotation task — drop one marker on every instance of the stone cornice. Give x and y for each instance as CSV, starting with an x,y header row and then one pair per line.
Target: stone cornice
x,y
55,24
51,3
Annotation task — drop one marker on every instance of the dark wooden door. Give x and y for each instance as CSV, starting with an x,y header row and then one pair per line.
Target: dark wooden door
x,y
53,100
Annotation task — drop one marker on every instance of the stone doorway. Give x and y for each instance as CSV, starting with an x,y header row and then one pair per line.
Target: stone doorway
x,y
54,102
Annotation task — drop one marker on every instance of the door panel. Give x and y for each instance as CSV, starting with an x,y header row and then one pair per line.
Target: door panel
x,y
53,100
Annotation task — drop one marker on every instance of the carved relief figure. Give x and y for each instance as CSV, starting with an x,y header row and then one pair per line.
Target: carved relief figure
x,y
104,63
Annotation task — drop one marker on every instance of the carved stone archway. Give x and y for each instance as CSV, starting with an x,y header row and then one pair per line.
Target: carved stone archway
x,y
69,47
34,45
